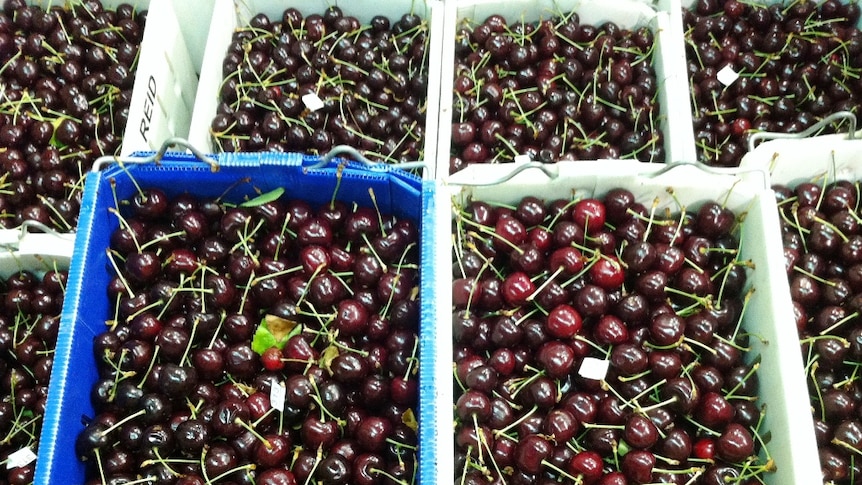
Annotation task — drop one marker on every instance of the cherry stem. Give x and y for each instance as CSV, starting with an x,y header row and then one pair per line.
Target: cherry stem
x,y
247,466
413,360
144,309
125,226
317,459
688,342
576,480
407,249
121,422
248,286
254,432
502,432
167,304
738,385
126,286
545,283
745,301
150,368
165,462
195,323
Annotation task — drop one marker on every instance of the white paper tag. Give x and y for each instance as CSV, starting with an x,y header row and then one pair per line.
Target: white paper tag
x,y
727,75
312,101
522,159
276,395
593,368
22,457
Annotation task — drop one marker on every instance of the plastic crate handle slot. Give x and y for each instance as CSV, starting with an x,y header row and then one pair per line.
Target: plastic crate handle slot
x,y
847,116
359,157
550,171
157,156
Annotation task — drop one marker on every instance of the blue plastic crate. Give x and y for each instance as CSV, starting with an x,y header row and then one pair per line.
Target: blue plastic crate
x,y
87,304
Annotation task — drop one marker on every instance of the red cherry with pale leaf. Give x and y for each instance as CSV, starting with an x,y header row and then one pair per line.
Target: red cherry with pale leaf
x,y
271,359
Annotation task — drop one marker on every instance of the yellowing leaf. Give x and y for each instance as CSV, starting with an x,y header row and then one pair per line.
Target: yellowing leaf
x,y
409,420
328,355
280,328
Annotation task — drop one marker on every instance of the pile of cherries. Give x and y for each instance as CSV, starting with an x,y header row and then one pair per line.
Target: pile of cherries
x,y
29,322
554,90
370,81
823,258
599,341
66,78
797,62
185,393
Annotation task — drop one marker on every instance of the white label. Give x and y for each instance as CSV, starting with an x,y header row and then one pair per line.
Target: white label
x,y
312,102
22,457
727,75
593,368
276,395
522,159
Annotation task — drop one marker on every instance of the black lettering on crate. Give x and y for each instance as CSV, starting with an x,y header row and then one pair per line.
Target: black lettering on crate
x,y
149,104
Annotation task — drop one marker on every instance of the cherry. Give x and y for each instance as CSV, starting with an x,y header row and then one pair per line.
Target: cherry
x,y
143,267
316,432
640,432
714,411
563,322
556,358
607,272
735,443
517,288
586,464
589,214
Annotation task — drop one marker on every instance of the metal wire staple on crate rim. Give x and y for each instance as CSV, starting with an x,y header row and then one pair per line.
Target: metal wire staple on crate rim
x,y
158,156
847,116
24,229
551,170
723,171
356,155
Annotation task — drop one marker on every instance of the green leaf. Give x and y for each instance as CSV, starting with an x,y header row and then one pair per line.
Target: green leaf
x,y
263,339
264,198
54,142
623,448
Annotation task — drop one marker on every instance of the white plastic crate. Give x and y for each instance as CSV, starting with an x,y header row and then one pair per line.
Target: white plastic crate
x,y
685,131
668,57
166,79
170,58
228,15
792,161
781,373
36,253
